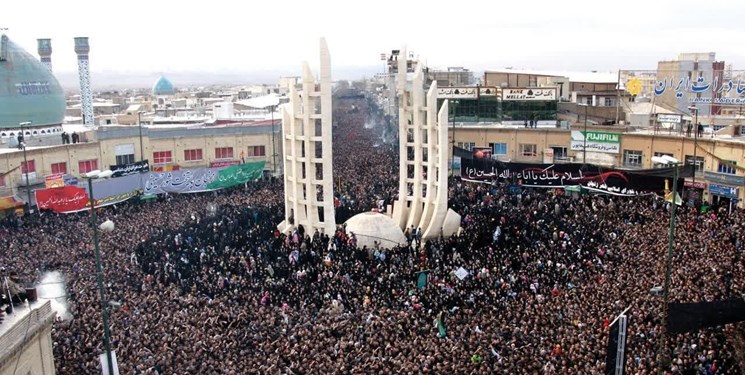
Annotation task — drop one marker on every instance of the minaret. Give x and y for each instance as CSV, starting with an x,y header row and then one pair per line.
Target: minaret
x,y
44,46
86,97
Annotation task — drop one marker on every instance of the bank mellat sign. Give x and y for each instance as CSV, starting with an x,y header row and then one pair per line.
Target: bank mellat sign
x,y
529,94
596,141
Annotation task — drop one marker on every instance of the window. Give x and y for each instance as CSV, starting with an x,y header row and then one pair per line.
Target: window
x,y
560,153
193,155
699,162
500,149
162,157
59,168
727,166
85,166
125,159
31,167
223,153
661,154
528,150
2,181
632,158
256,151
466,145
588,101
608,102
125,153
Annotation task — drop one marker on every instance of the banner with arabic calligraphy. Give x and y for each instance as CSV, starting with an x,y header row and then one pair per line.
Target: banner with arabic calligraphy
x,y
182,181
237,174
62,199
128,169
114,190
591,177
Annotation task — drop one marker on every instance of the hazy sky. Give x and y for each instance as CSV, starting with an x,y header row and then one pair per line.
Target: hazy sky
x,y
267,35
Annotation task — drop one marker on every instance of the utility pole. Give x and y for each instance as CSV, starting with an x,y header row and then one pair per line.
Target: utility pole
x,y
25,163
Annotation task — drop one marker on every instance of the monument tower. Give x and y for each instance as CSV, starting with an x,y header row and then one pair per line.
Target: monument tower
x,y
423,163
306,136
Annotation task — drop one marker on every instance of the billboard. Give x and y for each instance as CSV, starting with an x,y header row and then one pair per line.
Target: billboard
x,y
669,118
529,94
680,85
457,92
54,180
604,142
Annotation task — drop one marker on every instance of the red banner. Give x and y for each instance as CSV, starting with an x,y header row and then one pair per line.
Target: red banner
x,y
63,199
224,163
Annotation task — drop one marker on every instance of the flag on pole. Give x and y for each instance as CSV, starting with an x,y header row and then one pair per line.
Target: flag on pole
x,y
678,199
441,330
421,281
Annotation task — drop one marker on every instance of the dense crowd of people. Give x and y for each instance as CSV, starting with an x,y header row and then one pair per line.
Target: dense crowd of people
x,y
205,284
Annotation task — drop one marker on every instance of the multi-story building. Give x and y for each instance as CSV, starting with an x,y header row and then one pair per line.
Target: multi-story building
x,y
720,179
452,76
169,148
682,76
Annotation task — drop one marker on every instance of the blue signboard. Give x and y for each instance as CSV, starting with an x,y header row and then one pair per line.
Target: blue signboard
x,y
725,178
724,191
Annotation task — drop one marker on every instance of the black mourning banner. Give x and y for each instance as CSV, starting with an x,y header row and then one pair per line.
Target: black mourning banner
x,y
688,317
128,169
591,177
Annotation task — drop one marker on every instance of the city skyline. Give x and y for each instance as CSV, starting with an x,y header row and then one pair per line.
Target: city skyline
x,y
252,40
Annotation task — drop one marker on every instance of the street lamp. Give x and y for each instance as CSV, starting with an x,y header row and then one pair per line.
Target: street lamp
x,y
584,135
139,124
25,162
675,163
107,226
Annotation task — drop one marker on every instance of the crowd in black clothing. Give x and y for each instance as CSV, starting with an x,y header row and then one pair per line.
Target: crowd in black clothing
x,y
202,291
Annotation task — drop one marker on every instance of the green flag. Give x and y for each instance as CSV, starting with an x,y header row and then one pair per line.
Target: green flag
x,y
441,328
237,174
421,281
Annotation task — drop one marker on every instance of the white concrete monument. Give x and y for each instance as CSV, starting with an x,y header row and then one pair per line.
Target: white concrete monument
x,y
423,164
306,133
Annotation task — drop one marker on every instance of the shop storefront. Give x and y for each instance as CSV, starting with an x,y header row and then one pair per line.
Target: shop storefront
x,y
724,196
724,188
694,192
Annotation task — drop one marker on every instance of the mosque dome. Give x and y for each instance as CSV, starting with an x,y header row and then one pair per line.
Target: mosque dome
x,y
369,227
29,91
163,87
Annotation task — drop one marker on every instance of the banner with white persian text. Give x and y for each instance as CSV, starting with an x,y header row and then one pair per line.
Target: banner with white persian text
x,y
590,177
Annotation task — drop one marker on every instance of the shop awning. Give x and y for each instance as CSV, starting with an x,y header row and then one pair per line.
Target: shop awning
x,y
10,202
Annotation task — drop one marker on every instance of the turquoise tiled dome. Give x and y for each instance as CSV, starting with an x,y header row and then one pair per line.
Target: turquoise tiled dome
x,y
29,91
163,87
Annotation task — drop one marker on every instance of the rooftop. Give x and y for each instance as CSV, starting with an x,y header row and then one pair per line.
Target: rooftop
x,y
588,77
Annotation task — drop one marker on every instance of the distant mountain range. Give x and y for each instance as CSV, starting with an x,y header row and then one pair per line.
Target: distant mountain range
x,y
103,80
